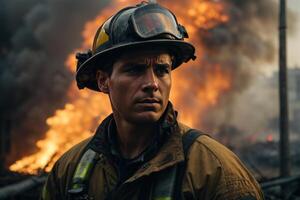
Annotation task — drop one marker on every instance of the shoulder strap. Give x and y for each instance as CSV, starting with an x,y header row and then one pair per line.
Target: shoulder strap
x,y
187,140
168,181
84,169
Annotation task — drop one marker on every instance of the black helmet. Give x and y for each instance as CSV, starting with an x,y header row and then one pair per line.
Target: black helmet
x,y
145,26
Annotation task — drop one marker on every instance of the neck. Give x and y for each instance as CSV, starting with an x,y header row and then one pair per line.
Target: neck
x,y
133,138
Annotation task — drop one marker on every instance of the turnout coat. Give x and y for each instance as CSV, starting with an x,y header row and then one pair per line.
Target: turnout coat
x,y
212,171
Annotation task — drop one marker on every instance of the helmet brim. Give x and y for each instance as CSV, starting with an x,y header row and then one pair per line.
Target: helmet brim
x,y
86,73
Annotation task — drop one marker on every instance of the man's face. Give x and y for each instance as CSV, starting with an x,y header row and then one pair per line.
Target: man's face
x,y
139,86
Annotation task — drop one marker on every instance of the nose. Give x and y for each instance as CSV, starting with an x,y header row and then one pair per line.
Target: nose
x,y
150,80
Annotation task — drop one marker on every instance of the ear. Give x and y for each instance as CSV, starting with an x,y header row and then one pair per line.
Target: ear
x,y
102,81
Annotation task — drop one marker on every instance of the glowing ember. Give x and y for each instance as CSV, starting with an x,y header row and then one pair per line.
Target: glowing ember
x,y
86,109
269,138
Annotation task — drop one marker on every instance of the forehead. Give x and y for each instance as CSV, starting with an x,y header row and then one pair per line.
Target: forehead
x,y
146,56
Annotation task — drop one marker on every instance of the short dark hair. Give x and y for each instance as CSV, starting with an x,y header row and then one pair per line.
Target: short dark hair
x,y
106,67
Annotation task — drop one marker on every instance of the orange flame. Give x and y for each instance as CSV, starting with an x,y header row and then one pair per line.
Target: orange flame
x,y
86,109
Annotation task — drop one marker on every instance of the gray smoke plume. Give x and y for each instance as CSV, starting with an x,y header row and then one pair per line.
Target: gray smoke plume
x,y
35,39
245,45
240,48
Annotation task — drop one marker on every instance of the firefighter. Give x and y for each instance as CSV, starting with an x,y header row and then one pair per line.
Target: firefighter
x,y
141,151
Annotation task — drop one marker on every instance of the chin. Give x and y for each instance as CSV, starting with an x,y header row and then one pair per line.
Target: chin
x,y
147,117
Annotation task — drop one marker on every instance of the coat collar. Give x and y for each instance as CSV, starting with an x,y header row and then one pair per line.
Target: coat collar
x,y
169,152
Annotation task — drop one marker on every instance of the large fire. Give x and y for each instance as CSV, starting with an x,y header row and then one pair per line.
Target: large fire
x,y
77,120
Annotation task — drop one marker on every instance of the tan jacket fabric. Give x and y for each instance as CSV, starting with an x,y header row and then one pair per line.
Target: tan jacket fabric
x,y
213,173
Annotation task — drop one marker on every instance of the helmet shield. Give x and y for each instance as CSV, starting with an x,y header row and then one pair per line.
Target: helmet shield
x,y
152,20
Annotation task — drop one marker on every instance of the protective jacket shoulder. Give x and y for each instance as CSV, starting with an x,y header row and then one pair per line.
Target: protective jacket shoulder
x,y
212,172
62,172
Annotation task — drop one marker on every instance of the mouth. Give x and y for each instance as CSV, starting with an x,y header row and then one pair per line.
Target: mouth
x,y
149,104
149,101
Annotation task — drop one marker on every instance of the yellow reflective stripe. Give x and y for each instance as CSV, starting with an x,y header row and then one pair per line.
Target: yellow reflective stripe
x,y
83,169
85,164
45,193
162,198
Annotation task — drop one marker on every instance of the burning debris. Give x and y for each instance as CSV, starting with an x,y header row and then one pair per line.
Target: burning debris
x,y
36,38
231,38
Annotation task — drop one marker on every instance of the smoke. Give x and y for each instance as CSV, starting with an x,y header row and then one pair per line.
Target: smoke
x,y
35,39
240,48
37,36
243,46
252,105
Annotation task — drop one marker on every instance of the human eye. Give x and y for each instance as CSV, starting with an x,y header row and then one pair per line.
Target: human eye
x,y
134,69
162,70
